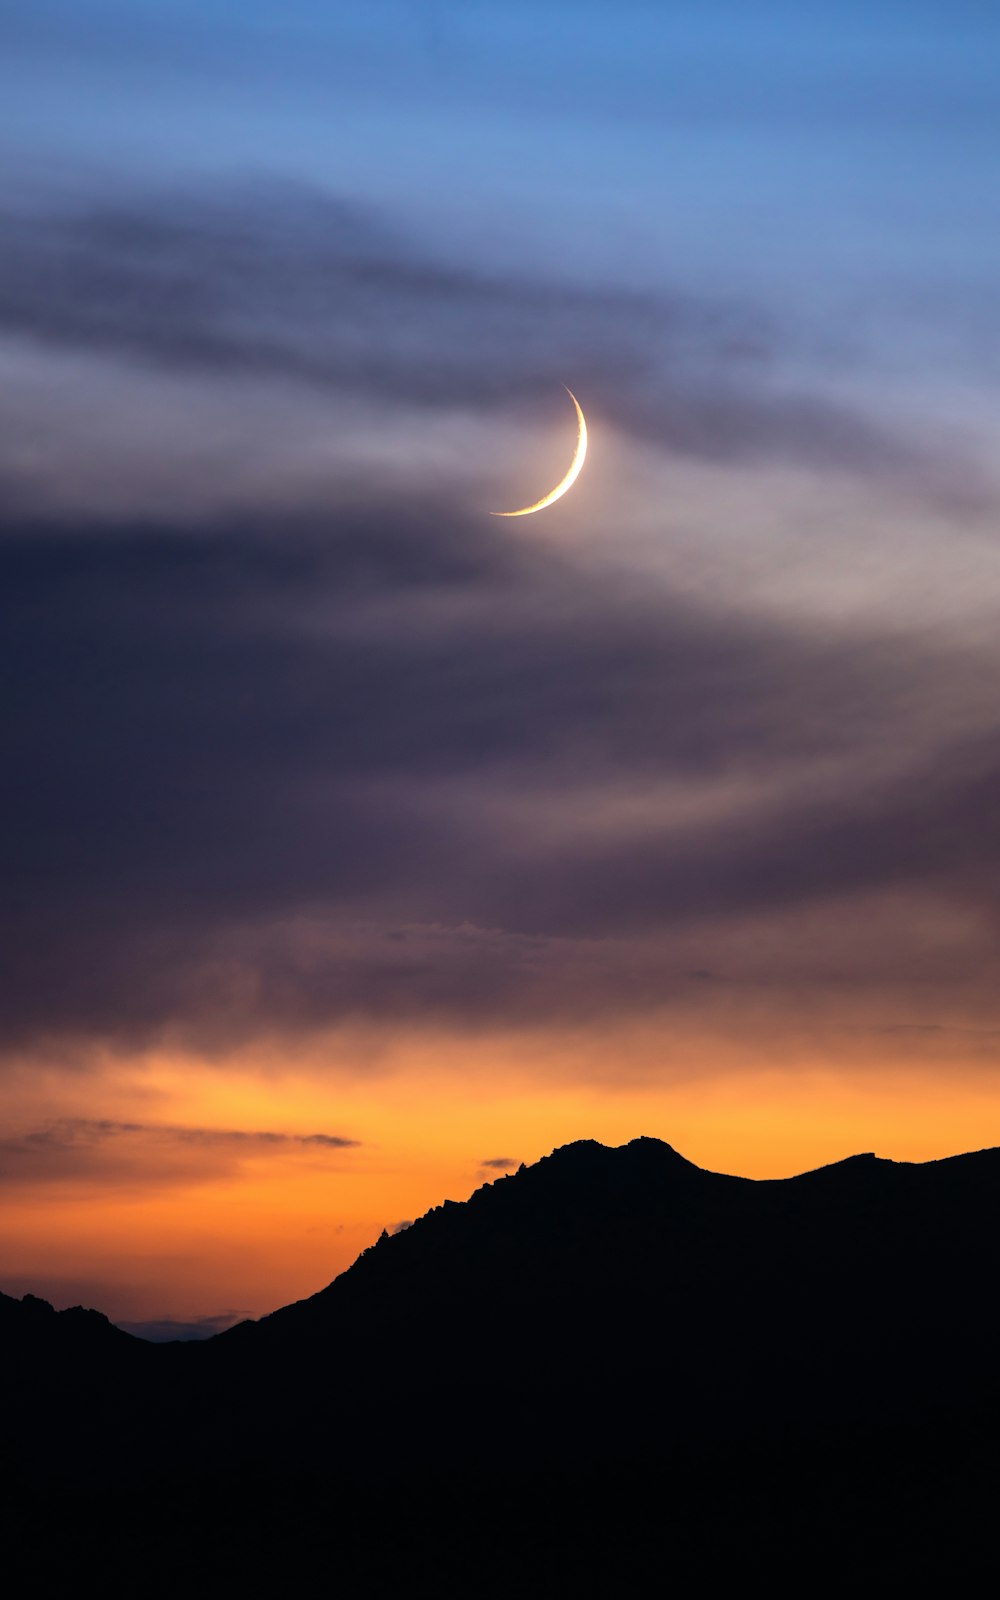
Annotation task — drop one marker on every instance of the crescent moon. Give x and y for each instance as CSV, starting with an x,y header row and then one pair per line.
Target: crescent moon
x,y
575,468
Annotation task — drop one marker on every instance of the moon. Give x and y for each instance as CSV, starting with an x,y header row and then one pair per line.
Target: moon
x,y
575,468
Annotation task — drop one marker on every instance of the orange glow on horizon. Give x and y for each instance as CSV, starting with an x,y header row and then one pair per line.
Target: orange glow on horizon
x,y
164,1223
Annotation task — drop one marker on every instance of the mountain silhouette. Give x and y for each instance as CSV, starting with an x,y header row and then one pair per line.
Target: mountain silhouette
x,y
611,1339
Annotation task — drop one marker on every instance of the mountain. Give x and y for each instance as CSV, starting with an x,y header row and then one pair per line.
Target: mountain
x,y
32,1327
603,1285
610,1339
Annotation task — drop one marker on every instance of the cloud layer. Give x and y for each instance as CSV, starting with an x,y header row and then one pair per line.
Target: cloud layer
x,y
269,771
305,773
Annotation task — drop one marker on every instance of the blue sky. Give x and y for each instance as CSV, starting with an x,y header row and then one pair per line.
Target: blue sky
x,y
797,151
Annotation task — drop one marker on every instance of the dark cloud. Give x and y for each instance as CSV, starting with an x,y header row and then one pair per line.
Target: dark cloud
x,y
273,772
74,1145
499,1164
935,826
71,1131
279,774
286,283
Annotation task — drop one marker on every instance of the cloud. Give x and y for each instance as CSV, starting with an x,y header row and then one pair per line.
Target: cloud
x,y
72,1147
271,772
283,774
161,1330
71,1131
271,284
499,1164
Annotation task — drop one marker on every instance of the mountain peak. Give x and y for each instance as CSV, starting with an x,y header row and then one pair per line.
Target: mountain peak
x,y
643,1149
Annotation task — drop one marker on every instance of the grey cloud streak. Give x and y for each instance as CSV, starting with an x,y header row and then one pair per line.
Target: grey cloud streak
x,y
72,1146
287,283
163,1330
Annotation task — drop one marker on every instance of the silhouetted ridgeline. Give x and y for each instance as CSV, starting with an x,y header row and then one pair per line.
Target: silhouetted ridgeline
x,y
610,1347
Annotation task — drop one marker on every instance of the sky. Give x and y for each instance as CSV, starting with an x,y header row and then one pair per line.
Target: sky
x,y
359,845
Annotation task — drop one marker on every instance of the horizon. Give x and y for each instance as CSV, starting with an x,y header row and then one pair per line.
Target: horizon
x,y
359,844
164,1330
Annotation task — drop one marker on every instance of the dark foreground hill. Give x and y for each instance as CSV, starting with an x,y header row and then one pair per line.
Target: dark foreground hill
x,y
611,1370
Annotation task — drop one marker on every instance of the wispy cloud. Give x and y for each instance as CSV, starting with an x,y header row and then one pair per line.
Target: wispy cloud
x,y
72,1131
286,283
161,1330
155,1152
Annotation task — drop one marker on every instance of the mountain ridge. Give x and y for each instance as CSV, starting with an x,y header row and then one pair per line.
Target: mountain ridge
x,y
590,1160
641,1157
612,1349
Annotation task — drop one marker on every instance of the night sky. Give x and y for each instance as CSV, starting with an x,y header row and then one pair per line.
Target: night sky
x,y
358,845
